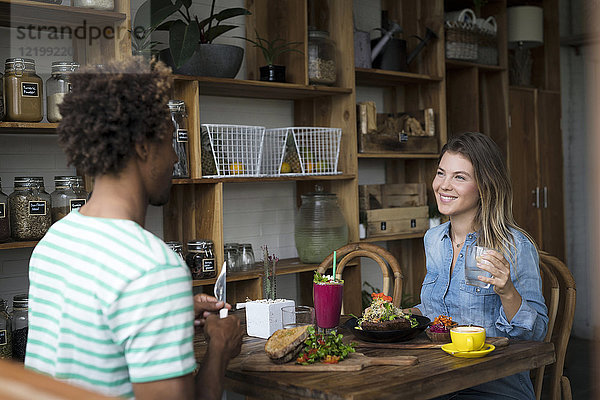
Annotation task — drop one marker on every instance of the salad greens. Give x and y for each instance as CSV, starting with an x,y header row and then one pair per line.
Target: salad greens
x,y
318,278
382,309
327,349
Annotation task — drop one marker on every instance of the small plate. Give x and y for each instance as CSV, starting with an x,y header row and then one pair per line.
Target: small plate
x,y
450,349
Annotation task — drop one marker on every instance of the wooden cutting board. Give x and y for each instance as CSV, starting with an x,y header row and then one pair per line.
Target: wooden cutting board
x,y
496,341
354,362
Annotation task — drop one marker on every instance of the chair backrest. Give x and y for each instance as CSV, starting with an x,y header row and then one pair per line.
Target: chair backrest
x,y
563,323
551,290
380,255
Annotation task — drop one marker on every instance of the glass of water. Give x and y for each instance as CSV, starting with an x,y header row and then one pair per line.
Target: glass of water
x,y
473,253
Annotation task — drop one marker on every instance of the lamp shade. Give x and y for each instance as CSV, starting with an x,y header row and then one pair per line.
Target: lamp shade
x,y
525,26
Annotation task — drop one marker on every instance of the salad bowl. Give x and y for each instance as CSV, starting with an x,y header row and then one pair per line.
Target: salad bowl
x,y
400,335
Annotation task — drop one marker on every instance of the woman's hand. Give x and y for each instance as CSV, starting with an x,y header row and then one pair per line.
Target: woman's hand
x,y
495,263
205,305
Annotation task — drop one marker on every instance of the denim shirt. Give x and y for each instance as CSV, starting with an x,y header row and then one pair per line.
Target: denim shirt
x,y
466,304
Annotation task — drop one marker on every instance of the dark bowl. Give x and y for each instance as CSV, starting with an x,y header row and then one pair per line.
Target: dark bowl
x,y
400,335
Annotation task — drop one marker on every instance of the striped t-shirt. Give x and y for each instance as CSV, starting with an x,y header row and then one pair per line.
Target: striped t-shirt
x,y
109,304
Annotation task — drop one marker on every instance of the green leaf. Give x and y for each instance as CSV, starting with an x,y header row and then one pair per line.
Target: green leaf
x,y
186,3
217,31
230,13
166,26
183,40
154,12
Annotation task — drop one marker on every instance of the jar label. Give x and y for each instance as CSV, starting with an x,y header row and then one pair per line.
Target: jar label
x,y
208,265
75,204
2,210
3,338
37,208
182,135
29,89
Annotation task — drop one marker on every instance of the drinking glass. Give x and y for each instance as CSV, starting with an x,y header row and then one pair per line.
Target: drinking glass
x,y
247,257
327,298
293,316
473,254
232,256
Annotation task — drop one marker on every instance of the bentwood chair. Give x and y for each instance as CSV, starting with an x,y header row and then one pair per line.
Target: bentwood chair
x,y
380,255
561,313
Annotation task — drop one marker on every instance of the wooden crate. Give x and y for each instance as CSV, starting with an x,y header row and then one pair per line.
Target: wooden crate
x,y
392,221
372,197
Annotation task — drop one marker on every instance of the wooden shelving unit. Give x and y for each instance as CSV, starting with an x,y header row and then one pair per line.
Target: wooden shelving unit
x,y
258,179
17,245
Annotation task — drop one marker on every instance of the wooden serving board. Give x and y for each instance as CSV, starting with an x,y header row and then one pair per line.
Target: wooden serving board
x,y
496,341
354,362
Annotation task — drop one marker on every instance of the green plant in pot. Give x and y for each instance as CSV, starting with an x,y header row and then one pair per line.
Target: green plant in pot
x,y
191,49
271,49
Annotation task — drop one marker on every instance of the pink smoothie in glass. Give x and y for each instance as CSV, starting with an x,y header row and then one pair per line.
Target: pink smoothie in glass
x,y
328,304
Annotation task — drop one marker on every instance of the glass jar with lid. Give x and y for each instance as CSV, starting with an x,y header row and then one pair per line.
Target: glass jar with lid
x,y
29,209
4,225
201,259
247,257
57,86
23,91
106,5
5,331
20,326
180,138
232,257
69,194
322,60
177,247
320,226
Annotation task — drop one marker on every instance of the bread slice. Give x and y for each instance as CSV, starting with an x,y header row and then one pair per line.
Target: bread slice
x,y
283,341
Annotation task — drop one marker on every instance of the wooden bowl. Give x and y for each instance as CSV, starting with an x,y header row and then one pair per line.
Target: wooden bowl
x,y
438,337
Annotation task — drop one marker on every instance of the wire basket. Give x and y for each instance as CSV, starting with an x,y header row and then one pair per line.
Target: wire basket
x,y
310,150
236,149
274,147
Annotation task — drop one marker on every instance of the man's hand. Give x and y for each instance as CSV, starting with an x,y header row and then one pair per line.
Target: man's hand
x,y
205,305
224,335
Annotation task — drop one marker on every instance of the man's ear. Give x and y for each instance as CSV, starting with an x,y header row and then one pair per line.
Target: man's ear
x,y
142,150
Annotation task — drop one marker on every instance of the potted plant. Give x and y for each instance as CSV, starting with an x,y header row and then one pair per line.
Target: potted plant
x,y
271,49
191,49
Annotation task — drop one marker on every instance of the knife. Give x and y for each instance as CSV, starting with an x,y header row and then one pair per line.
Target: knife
x,y
221,290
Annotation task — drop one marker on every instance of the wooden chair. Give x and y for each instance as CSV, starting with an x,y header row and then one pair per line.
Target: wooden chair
x,y
559,385
380,255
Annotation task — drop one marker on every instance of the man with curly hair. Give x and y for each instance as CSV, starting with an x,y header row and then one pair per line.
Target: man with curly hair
x,y
111,306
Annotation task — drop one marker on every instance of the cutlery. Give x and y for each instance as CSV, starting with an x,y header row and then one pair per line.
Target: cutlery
x,y
221,290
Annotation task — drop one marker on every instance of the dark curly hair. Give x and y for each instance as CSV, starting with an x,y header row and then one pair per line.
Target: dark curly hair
x,y
111,108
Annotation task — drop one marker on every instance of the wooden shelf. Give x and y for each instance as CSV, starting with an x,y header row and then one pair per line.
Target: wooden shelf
x,y
389,238
22,13
17,245
257,179
397,155
380,77
455,64
45,128
260,90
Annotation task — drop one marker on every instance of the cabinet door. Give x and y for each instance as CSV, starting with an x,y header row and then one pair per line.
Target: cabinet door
x,y
523,160
551,171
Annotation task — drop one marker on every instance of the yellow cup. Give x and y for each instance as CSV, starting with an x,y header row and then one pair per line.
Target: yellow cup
x,y
468,338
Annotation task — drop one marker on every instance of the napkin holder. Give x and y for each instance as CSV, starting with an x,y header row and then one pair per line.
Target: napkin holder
x,y
264,317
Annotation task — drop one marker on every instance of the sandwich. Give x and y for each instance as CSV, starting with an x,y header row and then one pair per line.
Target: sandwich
x,y
286,344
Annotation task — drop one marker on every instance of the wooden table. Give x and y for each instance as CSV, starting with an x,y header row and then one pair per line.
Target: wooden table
x,y
436,373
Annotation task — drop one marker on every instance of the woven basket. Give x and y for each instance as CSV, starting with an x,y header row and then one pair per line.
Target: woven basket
x,y
461,40
487,42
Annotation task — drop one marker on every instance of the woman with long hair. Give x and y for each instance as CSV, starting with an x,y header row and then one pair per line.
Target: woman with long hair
x,y
473,189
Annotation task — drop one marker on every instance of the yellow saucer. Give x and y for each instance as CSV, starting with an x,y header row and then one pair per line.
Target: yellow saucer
x,y
451,349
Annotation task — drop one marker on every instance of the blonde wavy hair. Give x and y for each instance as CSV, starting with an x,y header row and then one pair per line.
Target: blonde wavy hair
x,y
494,216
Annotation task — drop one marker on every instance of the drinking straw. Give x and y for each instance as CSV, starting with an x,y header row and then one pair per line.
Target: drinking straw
x,y
334,255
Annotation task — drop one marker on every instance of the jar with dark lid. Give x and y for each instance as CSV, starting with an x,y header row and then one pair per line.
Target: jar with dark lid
x,y
1,96
180,138
5,331
201,259
177,247
69,194
320,226
20,326
23,91
322,64
29,209
57,86
105,5
4,225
